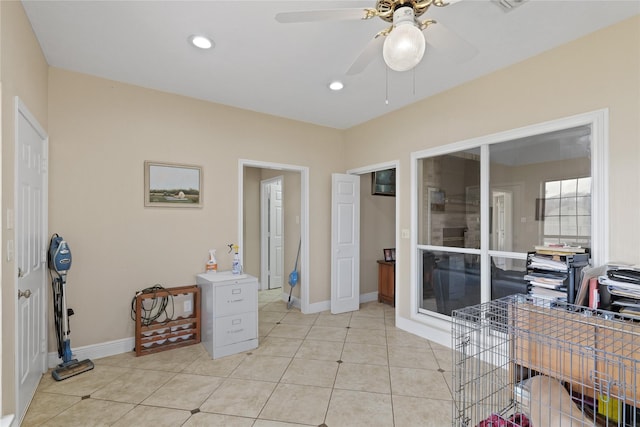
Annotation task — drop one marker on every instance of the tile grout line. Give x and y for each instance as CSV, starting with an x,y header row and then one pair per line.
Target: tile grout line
x,y
393,416
339,362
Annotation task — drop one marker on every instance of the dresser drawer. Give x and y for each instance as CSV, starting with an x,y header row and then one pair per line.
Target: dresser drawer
x,y
235,328
236,298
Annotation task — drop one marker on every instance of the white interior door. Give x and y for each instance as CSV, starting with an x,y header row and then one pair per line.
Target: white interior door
x,y
276,233
271,234
345,243
31,250
502,226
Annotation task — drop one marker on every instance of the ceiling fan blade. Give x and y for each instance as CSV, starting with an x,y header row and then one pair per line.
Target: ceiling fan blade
x,y
324,15
373,49
449,43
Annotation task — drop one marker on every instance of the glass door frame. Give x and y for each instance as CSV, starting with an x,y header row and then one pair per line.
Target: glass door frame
x,y
598,121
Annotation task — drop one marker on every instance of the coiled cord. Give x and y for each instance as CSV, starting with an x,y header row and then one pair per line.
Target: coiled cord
x,y
158,307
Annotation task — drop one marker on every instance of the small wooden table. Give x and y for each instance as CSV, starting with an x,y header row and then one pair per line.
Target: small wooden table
x,y
387,282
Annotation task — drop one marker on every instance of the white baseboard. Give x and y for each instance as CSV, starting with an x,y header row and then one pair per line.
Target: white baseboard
x,y
95,351
437,335
111,348
371,296
318,307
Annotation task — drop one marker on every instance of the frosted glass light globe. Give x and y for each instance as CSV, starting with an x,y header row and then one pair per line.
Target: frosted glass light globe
x,y
404,47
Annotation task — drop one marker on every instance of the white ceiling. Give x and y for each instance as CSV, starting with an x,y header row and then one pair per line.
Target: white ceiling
x,y
284,69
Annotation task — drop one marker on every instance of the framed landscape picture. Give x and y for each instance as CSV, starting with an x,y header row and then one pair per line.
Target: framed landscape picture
x,y
172,185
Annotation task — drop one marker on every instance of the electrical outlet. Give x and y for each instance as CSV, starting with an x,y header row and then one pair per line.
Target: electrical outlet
x,y
187,306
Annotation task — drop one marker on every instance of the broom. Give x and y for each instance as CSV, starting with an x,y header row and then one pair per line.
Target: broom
x,y
293,277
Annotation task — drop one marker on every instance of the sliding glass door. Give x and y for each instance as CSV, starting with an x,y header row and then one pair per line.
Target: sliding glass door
x,y
480,207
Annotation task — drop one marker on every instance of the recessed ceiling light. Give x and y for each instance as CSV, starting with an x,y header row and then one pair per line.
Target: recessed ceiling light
x,y
336,85
201,41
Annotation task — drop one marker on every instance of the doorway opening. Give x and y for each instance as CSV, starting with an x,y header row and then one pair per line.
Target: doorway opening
x,y
378,222
254,179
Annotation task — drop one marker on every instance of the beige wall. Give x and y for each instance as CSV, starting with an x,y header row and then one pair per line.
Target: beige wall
x,y
251,226
24,74
598,71
101,133
377,231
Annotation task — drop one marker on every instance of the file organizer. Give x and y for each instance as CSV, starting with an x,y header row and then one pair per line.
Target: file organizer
x,y
570,266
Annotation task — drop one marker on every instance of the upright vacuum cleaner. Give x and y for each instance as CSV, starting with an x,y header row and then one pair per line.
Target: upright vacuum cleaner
x,y
59,265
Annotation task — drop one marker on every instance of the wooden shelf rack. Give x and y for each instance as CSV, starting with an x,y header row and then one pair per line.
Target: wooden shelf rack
x,y
169,333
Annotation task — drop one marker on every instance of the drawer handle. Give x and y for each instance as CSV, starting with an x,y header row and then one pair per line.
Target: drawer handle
x,y
236,321
235,331
235,300
236,291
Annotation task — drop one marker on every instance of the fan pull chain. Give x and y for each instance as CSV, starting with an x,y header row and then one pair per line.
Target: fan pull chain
x,y
386,78
414,81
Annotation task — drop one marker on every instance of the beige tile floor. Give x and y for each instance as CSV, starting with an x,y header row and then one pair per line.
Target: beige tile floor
x,y
354,369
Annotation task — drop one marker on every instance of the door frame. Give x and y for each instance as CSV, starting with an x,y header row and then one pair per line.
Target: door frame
x,y
265,277
393,164
438,328
304,218
21,109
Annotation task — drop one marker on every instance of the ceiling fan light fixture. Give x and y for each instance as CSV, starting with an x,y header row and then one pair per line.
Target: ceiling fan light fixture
x,y
404,47
201,42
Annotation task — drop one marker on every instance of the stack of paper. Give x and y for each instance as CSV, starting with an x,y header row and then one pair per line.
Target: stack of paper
x,y
560,249
547,281
545,285
623,283
547,263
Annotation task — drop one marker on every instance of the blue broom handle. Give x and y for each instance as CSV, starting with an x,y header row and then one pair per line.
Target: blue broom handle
x,y
298,256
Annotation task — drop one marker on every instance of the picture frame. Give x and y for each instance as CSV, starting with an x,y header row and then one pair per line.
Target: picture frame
x,y
383,182
172,185
437,200
389,254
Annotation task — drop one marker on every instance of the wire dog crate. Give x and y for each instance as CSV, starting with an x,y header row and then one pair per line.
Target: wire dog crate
x,y
521,361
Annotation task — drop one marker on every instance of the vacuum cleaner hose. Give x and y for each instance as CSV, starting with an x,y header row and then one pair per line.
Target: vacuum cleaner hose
x,y
58,290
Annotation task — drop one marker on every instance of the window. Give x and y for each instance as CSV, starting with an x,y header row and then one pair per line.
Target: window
x,y
478,208
567,211
450,229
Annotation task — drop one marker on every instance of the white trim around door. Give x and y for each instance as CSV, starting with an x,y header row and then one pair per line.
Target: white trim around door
x,y
304,218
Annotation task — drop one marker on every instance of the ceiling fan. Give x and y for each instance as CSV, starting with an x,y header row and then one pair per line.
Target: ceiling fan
x,y
403,43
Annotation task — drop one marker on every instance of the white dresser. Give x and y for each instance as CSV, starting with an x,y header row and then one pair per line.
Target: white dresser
x,y
229,312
